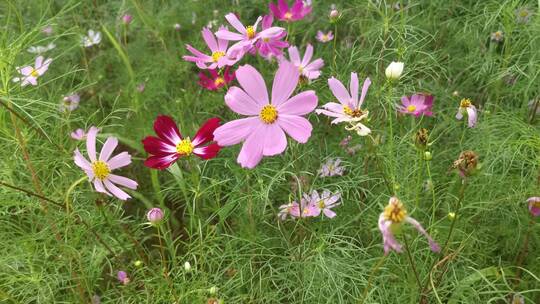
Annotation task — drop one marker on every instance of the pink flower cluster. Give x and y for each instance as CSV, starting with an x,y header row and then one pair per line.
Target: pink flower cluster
x,y
312,205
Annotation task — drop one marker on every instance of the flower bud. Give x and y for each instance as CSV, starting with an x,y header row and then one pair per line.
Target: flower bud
x,y
213,290
187,266
138,263
127,18
394,70
155,215
334,14
451,216
428,156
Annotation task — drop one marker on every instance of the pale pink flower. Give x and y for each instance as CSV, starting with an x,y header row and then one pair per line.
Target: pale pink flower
x,y
70,102
219,57
304,209
29,74
248,36
349,107
466,107
93,38
48,30
534,205
263,131
78,134
323,203
390,220
127,18
285,210
310,70
155,215
322,37
332,167
99,169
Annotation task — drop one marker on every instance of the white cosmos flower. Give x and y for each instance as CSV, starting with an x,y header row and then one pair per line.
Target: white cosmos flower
x,y
93,38
41,49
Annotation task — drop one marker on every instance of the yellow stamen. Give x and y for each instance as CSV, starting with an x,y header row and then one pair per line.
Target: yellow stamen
x,y
219,81
266,39
288,15
352,113
395,211
250,32
321,204
465,103
217,55
101,169
34,73
411,108
268,114
184,147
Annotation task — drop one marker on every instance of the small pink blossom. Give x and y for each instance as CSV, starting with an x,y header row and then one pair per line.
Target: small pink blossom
x,y
219,57
283,12
141,86
70,102
78,134
466,107
272,46
99,169
417,104
126,19
29,74
324,38
123,277
48,30
155,215
304,209
310,70
323,202
534,205
332,167
213,81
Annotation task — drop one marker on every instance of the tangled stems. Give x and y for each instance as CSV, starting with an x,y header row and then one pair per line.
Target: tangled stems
x,y
411,261
371,276
164,264
525,248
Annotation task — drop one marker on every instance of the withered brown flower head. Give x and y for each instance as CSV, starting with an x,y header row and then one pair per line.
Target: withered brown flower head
x,y
466,163
421,138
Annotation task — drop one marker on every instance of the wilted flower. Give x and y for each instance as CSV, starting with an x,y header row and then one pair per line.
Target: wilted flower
x,y
466,164
93,38
78,134
421,138
99,169
344,143
497,36
534,205
29,74
70,102
170,145
126,19
155,215
41,49
322,37
247,37
466,107
122,277
523,15
332,167
263,131
213,81
394,70
390,222
309,70
296,12
349,108
417,104
48,30
219,56
323,203
517,299
270,46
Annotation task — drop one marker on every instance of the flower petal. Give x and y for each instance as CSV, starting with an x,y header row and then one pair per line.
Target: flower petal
x,y
157,146
91,143
166,129
207,152
233,20
307,55
206,132
300,104
365,87
235,131
161,162
81,161
108,148
253,84
353,88
120,160
296,127
210,40
285,82
252,150
339,91
120,194
241,103
123,181
275,141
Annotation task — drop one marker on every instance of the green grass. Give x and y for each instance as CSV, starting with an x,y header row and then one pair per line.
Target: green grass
x,y
222,218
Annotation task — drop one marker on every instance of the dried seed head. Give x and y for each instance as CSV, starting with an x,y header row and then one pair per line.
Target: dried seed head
x,y
421,138
466,163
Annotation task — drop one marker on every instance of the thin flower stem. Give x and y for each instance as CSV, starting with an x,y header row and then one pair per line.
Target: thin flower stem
x,y
164,263
420,175
391,135
371,277
432,188
524,250
411,261
334,44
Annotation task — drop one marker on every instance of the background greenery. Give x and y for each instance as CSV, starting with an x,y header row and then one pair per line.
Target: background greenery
x,y
222,218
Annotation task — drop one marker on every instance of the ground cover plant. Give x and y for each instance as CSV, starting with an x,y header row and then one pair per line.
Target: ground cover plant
x,y
269,151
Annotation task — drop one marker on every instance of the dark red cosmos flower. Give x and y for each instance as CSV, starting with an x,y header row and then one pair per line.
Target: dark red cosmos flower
x,y
214,81
169,145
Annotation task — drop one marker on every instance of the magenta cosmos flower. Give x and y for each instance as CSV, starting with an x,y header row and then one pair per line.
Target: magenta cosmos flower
x,y
247,37
272,46
349,107
30,74
123,277
534,205
418,104
324,38
296,12
390,221
263,131
213,80
170,145
466,107
309,70
99,169
219,56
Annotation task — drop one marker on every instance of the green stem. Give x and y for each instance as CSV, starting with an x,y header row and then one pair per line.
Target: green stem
x,y
371,276
411,261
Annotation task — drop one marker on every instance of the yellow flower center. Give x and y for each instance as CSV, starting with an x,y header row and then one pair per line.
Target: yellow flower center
x,y
268,114
352,113
523,13
101,169
465,103
536,204
217,55
395,211
219,81
34,73
321,204
250,32
266,39
411,108
184,147
288,15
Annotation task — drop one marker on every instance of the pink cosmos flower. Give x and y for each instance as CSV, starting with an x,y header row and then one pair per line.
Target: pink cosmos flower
x,y
296,12
418,104
215,81
70,102
285,210
247,37
332,167
323,203
534,205
155,215
48,30
322,37
263,131
390,221
123,277
219,56
99,169
29,74
349,108
78,134
309,70
170,145
272,46
304,209
127,18
466,107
